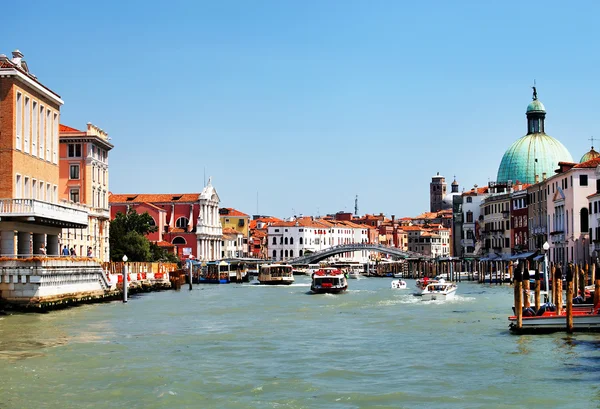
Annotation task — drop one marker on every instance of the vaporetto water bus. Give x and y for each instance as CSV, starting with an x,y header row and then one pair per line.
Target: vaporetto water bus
x,y
275,274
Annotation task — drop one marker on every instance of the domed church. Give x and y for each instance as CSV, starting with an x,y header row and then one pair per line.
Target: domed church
x,y
535,153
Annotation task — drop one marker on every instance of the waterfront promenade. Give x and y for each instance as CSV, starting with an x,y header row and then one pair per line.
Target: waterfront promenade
x,y
249,346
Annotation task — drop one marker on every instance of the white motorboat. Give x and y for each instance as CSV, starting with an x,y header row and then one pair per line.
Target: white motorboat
x,y
442,290
328,280
353,274
421,283
399,284
398,275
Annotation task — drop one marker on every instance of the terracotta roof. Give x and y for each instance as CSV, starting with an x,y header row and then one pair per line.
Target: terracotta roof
x,y
65,128
231,212
154,198
480,191
592,163
265,220
259,233
9,64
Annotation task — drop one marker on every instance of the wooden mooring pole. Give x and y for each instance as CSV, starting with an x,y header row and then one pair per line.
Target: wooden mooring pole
x,y
518,295
559,295
570,298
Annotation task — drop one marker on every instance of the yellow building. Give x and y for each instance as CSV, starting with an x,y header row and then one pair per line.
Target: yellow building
x,y
238,221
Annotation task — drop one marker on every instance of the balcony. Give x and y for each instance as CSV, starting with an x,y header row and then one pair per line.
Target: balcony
x,y
38,212
100,213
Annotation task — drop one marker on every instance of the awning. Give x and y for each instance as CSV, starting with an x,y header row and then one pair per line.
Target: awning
x,y
491,257
538,258
523,256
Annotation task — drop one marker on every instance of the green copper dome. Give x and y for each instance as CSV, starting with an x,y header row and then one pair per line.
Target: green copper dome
x,y
592,154
536,106
535,153
518,163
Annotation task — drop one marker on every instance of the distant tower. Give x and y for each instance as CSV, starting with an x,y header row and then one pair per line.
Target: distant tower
x,y
356,206
437,191
454,186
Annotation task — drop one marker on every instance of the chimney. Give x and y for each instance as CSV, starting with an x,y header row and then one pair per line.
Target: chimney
x,y
537,179
17,57
393,218
544,176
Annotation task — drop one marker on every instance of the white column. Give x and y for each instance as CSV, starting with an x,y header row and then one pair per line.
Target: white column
x,y
7,243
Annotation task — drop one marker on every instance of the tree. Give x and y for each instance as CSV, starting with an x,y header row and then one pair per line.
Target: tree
x,y
161,254
128,236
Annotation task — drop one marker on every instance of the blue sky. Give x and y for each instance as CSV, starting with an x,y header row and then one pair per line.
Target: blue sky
x,y
310,103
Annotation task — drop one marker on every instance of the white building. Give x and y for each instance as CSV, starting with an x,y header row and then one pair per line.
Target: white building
x,y
232,245
568,211
209,231
291,239
471,208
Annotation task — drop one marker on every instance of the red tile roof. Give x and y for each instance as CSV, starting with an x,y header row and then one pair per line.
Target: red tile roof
x,y
266,220
592,163
65,128
231,212
154,198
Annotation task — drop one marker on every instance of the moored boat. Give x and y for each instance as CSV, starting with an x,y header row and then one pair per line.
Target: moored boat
x,y
442,290
275,274
214,273
328,280
547,319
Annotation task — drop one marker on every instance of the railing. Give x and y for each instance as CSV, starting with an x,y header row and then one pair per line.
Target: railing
x,y
35,208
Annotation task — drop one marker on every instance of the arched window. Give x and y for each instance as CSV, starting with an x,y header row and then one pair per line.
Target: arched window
x,y
300,250
291,241
274,253
281,240
152,222
286,240
274,240
178,240
300,240
585,224
182,223
291,253
281,253
286,253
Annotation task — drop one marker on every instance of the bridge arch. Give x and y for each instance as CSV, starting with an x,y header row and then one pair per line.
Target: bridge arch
x,y
344,248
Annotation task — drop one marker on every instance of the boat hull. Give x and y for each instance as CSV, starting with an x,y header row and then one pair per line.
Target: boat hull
x,y
554,323
438,296
276,282
328,290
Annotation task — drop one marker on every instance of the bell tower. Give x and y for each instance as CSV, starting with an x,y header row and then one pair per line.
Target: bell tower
x,y
437,191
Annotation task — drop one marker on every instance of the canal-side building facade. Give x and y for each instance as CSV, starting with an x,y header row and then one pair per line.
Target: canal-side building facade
x,y
84,179
189,221
32,214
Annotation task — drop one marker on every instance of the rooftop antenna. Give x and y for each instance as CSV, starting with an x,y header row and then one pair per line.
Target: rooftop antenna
x,y
205,176
356,205
257,202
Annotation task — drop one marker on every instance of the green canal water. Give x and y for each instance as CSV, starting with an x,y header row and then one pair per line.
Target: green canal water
x,y
250,346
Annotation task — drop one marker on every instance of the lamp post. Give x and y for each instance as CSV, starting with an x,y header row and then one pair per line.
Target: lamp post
x,y
125,278
546,246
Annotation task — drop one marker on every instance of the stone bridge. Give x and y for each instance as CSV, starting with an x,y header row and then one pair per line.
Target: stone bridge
x,y
344,248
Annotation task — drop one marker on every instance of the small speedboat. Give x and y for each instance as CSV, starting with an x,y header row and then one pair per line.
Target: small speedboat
x,y
422,283
442,290
399,284
353,274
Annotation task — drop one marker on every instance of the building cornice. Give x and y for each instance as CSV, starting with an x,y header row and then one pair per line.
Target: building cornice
x,y
8,72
